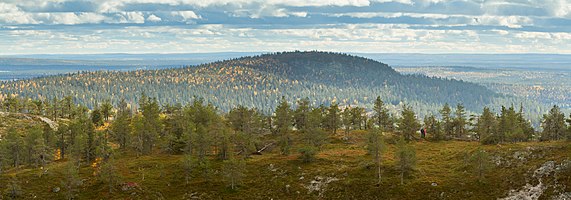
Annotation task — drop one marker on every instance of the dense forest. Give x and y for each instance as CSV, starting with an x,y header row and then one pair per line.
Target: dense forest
x,y
207,137
258,81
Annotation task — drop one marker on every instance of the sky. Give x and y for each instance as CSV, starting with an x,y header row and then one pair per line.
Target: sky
x,y
200,26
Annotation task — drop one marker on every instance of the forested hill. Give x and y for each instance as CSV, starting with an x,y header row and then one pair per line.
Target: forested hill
x,y
259,81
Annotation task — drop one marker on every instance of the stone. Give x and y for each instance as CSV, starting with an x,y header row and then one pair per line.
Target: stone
x,y
56,190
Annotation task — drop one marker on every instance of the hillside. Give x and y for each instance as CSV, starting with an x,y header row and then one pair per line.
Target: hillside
x,y
259,81
445,170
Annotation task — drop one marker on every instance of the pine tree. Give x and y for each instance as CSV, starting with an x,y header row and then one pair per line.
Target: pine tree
x,y
381,115
14,147
233,171
106,109
137,127
554,127
312,134
406,156
151,122
447,123
486,127
120,129
460,121
72,181
307,153
301,113
13,189
376,146
347,119
433,128
36,149
283,125
408,125
481,162
97,117
333,119
109,175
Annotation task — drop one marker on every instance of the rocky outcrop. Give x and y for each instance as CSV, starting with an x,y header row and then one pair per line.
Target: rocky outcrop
x,y
546,178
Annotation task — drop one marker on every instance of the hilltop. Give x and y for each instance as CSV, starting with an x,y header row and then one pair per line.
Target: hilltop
x,y
259,81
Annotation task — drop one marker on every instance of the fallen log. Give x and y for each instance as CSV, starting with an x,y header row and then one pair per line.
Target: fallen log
x,y
259,152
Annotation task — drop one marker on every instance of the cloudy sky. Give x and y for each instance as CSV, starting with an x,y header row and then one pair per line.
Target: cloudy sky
x,y
177,26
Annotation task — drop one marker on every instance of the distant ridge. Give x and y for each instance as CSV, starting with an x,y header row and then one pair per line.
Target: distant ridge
x,y
260,80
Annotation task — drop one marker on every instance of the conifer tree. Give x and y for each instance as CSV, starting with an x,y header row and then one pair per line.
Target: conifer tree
x,y
96,117
151,122
376,146
333,119
381,115
347,119
486,127
120,130
433,128
13,189
554,127
406,158
481,162
283,125
301,113
14,147
106,109
460,121
408,125
137,127
71,181
109,175
447,122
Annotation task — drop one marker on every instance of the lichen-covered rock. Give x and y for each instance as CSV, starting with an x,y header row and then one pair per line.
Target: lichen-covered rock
x,y
319,184
543,175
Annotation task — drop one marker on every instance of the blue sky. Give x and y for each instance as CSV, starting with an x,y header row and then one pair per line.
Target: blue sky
x,y
189,26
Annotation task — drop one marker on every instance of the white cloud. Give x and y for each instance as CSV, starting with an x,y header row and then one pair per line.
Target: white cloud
x,y
153,18
507,21
186,15
410,2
